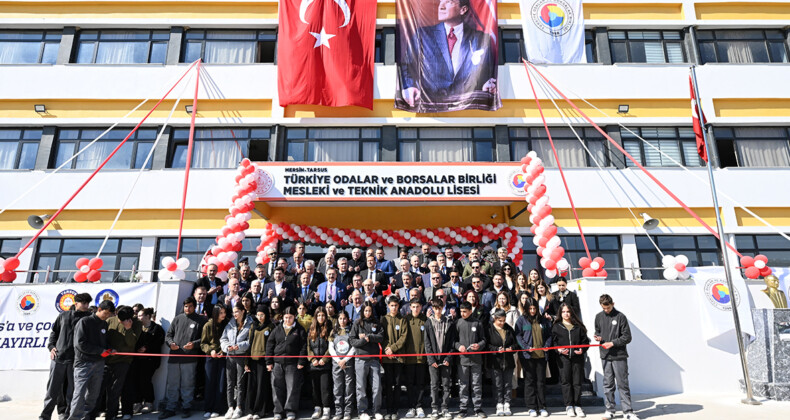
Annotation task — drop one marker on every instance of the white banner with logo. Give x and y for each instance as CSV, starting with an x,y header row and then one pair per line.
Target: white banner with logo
x,y
554,31
385,181
714,301
27,312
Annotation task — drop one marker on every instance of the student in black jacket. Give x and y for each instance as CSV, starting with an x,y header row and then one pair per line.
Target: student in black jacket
x,y
366,336
470,337
501,337
439,338
183,338
563,295
533,332
569,331
90,341
614,334
287,339
61,352
320,367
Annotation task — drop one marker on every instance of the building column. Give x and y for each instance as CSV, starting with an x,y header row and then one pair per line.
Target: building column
x,y
146,262
388,46
66,45
159,160
690,41
174,45
389,143
616,158
502,138
602,51
45,148
630,256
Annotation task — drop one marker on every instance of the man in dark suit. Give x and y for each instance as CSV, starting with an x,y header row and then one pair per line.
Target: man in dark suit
x,y
278,287
436,282
454,58
295,261
268,268
331,289
477,272
425,258
211,283
306,293
433,267
451,261
315,277
354,308
373,296
256,288
502,261
498,285
203,307
379,279
397,279
357,261
344,275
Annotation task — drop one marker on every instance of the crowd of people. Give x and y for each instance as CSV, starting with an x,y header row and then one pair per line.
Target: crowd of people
x,y
357,331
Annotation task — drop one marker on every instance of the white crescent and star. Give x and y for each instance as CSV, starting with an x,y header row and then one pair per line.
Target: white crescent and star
x,y
321,38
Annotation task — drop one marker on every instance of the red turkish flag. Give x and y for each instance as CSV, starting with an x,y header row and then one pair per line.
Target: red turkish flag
x,y
326,51
696,115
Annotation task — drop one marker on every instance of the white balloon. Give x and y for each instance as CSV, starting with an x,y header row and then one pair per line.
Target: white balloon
x,y
407,235
531,189
182,263
668,261
369,241
475,232
562,264
232,256
213,260
554,241
85,268
532,218
540,229
670,273
538,161
536,240
179,275
682,259
549,220
258,260
542,201
551,273
508,234
166,261
247,216
279,231
223,275
164,275
532,154
684,275
595,266
545,222
759,264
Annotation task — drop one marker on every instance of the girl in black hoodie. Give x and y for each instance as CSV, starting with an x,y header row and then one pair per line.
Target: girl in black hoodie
x,y
501,337
568,330
366,336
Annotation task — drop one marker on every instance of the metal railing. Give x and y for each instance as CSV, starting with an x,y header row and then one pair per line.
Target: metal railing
x,y
134,275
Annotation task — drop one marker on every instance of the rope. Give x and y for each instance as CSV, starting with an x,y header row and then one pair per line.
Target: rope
x,y
189,158
559,165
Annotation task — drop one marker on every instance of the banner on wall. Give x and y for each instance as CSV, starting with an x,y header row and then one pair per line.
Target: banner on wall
x,y
714,301
554,31
447,55
389,182
27,312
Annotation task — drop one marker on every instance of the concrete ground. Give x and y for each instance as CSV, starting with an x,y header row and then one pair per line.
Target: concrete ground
x,y
679,406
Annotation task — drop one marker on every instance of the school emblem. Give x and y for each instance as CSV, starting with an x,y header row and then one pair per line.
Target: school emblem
x,y
65,300
107,294
343,347
719,295
27,302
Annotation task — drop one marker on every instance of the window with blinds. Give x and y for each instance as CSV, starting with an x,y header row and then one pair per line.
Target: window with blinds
x,y
647,47
572,153
755,147
662,146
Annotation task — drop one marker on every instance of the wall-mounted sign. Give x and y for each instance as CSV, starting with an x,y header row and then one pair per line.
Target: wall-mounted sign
x,y
281,181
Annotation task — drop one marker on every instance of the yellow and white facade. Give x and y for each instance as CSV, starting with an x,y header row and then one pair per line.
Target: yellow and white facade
x,y
737,98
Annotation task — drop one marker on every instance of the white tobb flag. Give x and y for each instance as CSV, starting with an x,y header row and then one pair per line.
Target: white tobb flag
x,y
714,296
554,31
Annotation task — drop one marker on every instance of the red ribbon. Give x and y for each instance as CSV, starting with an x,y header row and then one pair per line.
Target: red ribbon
x,y
466,353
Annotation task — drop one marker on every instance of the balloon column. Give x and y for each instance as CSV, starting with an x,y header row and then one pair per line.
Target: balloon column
x,y
675,267
7,267
755,267
88,270
381,237
224,253
546,239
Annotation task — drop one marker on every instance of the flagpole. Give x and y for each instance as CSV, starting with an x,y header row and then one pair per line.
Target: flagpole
x,y
747,382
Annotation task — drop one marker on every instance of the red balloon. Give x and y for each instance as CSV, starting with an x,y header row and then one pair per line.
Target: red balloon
x,y
588,272
245,162
766,271
82,261
752,272
584,262
234,211
532,200
532,229
747,261
601,262
680,267
523,168
540,250
760,257
550,231
543,241
80,277
226,230
550,264
557,253
94,276
238,246
172,266
602,273
529,178
544,211
238,178
540,191
11,263
244,226
95,263
215,250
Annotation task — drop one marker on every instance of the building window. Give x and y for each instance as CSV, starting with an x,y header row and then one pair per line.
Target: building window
x,y
333,144
9,247
230,46
195,248
755,147
775,247
449,144
700,250
120,257
29,47
571,152
589,47
122,47
677,143
512,45
18,147
743,46
647,47
130,156
220,147
607,246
